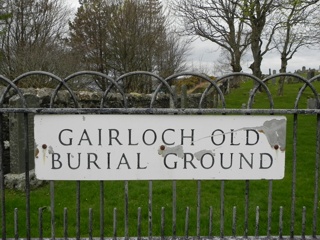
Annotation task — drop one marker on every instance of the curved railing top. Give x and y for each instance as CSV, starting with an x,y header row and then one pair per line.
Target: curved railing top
x,y
160,84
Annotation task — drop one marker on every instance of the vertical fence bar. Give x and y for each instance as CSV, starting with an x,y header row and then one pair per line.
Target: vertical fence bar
x,y
174,208
303,232
281,223
294,166
65,223
40,220
222,209
316,181
172,104
2,190
162,223
26,157
78,210
114,223
101,210
246,209
139,223
257,222
234,221
269,209
210,222
198,208
150,211
126,207
90,223
16,226
52,205
186,225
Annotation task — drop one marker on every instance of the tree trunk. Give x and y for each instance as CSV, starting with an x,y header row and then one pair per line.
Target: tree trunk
x,y
283,69
257,59
236,67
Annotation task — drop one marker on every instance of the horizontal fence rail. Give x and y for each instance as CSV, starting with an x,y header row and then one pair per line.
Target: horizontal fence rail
x,y
192,209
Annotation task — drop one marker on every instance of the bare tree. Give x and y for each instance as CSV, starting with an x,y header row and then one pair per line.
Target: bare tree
x,y
171,55
220,22
217,21
222,64
257,14
33,37
298,28
4,15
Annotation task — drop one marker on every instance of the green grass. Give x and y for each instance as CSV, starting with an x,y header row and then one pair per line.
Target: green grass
x,y
65,192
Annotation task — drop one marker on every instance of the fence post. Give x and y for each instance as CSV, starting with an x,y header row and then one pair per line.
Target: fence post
x,y
17,138
184,97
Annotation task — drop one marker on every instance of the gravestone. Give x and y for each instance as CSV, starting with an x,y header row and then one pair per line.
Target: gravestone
x,y
312,103
184,96
17,138
310,74
274,72
171,101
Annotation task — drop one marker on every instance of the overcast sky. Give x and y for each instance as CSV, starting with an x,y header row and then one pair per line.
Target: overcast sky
x,y
204,55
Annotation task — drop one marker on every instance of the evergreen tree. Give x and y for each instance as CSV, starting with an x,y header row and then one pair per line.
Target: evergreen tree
x,y
116,37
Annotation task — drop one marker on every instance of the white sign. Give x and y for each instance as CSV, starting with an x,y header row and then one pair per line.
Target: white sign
x,y
153,147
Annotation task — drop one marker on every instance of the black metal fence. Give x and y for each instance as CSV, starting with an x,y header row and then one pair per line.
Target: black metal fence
x,y
276,218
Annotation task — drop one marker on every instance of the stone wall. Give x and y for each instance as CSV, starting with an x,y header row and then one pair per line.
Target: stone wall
x,y
13,135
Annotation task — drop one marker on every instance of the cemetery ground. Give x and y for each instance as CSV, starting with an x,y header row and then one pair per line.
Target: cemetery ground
x,y
65,191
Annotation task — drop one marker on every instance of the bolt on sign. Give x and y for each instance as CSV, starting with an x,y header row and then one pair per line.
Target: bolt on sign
x,y
154,147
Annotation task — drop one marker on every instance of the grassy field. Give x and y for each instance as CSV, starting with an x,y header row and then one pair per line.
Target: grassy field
x,y
65,192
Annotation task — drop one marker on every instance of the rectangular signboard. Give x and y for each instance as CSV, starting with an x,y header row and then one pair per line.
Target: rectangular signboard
x,y
154,147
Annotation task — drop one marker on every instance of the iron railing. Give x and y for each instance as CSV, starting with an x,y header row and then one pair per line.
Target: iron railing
x,y
216,224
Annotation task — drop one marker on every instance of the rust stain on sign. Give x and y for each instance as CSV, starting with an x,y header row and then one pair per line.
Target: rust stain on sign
x,y
164,150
